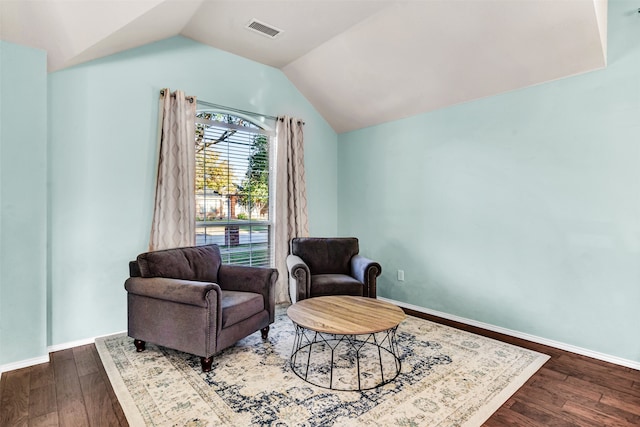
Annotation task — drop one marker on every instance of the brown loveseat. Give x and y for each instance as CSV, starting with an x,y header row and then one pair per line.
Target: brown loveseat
x,y
330,266
186,299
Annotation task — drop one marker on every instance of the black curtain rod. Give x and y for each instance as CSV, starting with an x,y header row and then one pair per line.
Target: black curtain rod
x,y
235,110
299,121
173,95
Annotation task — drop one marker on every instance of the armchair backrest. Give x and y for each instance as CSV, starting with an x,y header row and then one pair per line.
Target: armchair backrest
x,y
199,263
330,255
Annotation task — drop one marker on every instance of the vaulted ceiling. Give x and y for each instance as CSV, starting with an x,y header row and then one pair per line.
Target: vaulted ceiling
x,y
359,62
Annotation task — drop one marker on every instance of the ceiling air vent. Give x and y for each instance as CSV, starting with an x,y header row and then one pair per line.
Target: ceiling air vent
x,y
264,29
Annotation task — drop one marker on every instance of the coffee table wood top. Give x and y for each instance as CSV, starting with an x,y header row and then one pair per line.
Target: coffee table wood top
x,y
345,315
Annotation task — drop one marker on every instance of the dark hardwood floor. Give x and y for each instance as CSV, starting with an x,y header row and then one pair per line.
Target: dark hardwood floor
x,y
71,390
569,390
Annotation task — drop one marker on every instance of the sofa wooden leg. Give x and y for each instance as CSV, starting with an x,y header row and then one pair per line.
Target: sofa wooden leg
x,y
264,332
140,345
206,363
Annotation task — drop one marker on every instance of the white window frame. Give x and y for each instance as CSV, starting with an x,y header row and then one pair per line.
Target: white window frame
x,y
260,128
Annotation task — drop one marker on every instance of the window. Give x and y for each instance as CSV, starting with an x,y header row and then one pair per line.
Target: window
x,y
232,188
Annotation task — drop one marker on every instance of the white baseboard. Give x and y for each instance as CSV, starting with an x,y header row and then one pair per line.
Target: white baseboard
x,y
551,343
24,363
78,343
57,347
544,341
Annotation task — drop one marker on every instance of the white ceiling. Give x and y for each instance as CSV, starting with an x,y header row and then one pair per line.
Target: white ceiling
x,y
359,62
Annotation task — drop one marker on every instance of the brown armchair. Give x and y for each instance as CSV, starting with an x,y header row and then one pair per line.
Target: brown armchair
x,y
186,299
330,266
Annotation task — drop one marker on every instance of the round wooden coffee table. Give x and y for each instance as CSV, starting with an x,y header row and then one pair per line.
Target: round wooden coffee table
x,y
349,334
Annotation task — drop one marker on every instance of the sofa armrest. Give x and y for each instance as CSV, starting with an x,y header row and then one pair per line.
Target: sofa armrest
x,y
260,280
299,278
248,279
201,294
366,271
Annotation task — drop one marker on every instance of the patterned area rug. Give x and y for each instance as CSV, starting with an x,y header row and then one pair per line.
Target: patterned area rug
x,y
448,378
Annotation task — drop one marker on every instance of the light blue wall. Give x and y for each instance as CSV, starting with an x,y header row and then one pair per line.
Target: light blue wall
x,y
102,133
23,203
521,210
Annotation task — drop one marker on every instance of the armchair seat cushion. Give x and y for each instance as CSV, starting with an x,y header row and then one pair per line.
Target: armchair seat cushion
x,y
335,284
238,306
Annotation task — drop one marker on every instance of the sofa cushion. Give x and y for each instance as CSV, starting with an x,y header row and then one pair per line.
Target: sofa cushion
x,y
198,263
237,306
326,255
335,284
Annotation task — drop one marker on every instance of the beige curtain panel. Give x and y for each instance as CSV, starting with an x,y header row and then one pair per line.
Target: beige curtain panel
x,y
174,211
291,196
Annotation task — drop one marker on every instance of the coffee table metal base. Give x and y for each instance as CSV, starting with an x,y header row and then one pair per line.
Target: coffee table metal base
x,y
350,347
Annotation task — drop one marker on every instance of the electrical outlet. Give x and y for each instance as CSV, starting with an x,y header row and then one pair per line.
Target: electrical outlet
x,y
401,275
